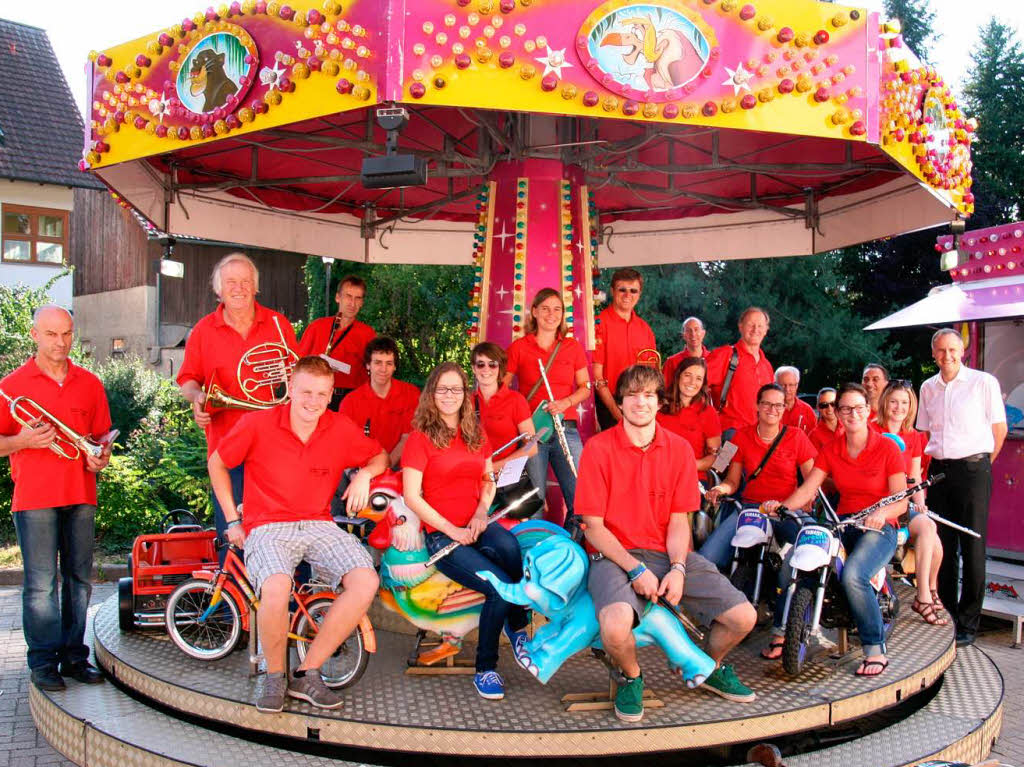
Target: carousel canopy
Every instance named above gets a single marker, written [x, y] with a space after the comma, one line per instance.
[717, 128]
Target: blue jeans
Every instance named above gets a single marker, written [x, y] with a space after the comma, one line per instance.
[237, 475]
[717, 549]
[866, 554]
[55, 631]
[496, 551]
[550, 454]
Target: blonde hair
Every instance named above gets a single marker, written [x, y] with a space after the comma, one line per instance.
[428, 418]
[883, 405]
[232, 258]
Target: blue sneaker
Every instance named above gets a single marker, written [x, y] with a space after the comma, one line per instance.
[489, 684]
[518, 641]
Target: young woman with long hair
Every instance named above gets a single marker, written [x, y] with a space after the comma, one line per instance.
[689, 413]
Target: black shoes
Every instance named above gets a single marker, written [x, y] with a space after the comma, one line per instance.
[47, 678]
[964, 638]
[83, 672]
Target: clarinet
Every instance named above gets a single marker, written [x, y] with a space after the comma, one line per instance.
[890, 499]
[442, 553]
[557, 422]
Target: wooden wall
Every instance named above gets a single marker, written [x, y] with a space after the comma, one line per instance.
[110, 251]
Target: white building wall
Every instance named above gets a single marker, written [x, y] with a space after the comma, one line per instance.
[37, 275]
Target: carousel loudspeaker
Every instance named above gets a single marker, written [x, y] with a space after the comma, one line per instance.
[393, 171]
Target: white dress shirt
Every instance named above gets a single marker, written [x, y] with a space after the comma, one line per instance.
[959, 415]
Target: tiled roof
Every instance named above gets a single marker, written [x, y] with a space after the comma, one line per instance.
[40, 126]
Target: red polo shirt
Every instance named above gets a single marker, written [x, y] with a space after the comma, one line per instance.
[43, 479]
[317, 336]
[741, 405]
[501, 416]
[863, 480]
[777, 479]
[800, 417]
[523, 356]
[286, 480]
[618, 343]
[452, 476]
[213, 350]
[636, 491]
[672, 363]
[914, 442]
[696, 424]
[389, 417]
[821, 435]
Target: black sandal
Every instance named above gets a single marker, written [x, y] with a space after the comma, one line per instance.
[866, 664]
[777, 643]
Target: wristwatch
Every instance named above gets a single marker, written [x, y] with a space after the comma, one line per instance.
[679, 567]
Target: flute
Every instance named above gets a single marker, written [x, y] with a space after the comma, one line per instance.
[442, 553]
[556, 421]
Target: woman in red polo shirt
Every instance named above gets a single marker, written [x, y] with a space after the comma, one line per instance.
[448, 482]
[828, 427]
[688, 411]
[897, 410]
[865, 467]
[545, 342]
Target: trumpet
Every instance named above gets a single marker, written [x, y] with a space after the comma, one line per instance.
[266, 365]
[67, 443]
[649, 357]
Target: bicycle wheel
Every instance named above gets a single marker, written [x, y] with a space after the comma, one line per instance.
[199, 632]
[347, 664]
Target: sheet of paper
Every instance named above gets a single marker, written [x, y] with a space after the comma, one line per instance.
[512, 471]
[724, 458]
[336, 365]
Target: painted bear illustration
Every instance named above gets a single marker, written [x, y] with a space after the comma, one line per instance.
[207, 77]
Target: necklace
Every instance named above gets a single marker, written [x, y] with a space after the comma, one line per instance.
[758, 430]
[644, 447]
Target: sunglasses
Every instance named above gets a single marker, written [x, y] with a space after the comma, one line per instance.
[481, 364]
[826, 405]
[634, 291]
[902, 383]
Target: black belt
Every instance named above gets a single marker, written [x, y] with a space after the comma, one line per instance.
[967, 458]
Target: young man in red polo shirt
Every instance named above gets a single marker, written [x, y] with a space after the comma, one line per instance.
[342, 338]
[384, 406]
[620, 336]
[294, 456]
[54, 504]
[637, 487]
[751, 371]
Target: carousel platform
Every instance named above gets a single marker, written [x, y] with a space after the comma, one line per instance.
[166, 708]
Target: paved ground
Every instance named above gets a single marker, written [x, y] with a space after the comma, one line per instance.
[22, 746]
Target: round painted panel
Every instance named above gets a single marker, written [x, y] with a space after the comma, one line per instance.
[644, 51]
[216, 73]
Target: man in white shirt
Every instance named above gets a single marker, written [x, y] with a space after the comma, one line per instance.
[963, 411]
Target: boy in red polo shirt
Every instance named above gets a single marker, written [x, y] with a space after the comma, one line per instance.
[384, 406]
[620, 336]
[637, 485]
[294, 456]
[54, 504]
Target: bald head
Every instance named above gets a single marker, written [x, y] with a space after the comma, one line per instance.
[49, 313]
[53, 330]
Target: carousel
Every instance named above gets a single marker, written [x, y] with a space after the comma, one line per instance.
[535, 140]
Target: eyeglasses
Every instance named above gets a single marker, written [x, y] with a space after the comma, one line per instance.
[481, 364]
[634, 291]
[848, 409]
[777, 406]
[826, 405]
[444, 390]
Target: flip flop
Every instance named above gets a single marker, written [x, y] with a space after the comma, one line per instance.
[769, 652]
[881, 664]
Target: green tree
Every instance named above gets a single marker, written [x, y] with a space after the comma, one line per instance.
[917, 20]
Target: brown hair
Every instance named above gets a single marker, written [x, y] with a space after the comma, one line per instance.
[315, 366]
[627, 275]
[530, 323]
[491, 351]
[380, 345]
[637, 378]
[428, 418]
[675, 396]
[846, 388]
[354, 281]
[883, 403]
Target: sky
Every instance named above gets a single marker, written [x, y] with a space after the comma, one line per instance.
[75, 27]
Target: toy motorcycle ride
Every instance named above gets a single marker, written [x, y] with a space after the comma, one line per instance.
[815, 596]
[756, 558]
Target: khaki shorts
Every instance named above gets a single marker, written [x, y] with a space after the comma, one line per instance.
[706, 592]
[278, 547]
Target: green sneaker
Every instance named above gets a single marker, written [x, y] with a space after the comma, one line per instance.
[629, 700]
[723, 681]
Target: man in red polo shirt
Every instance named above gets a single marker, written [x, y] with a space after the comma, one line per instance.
[693, 333]
[798, 414]
[735, 395]
[620, 336]
[295, 454]
[637, 487]
[342, 338]
[217, 344]
[384, 406]
[54, 504]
